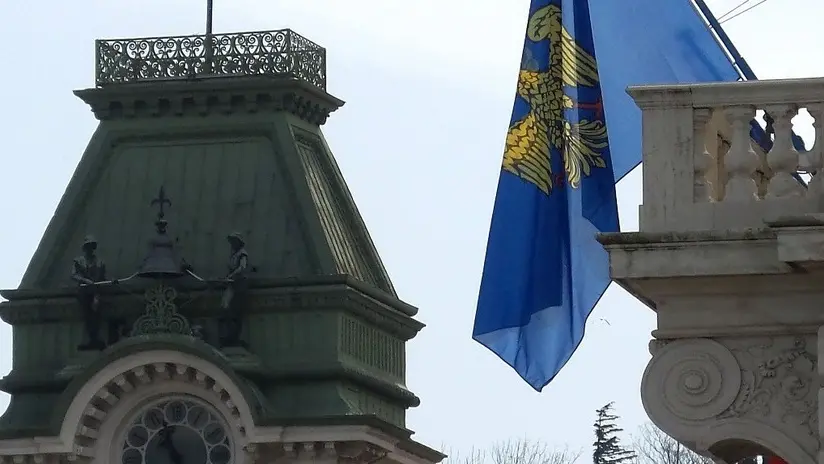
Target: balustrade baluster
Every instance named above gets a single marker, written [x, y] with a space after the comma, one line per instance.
[701, 161]
[815, 155]
[783, 157]
[741, 161]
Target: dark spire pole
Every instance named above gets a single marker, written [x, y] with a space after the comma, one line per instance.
[758, 134]
[208, 44]
[208, 17]
[737, 60]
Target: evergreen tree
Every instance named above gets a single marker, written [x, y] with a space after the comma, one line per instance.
[607, 446]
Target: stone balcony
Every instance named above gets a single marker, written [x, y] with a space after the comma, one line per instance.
[730, 256]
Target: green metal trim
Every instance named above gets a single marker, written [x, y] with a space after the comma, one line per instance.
[339, 371]
[307, 282]
[256, 94]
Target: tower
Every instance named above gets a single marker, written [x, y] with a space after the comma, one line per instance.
[207, 290]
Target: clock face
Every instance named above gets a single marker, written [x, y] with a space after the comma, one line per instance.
[177, 430]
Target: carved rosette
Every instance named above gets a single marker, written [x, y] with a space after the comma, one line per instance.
[760, 389]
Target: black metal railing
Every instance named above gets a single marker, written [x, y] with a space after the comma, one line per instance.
[281, 53]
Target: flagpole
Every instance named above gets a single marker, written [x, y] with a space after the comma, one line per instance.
[725, 42]
[744, 70]
[208, 44]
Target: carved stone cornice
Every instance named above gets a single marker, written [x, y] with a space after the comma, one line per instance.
[694, 388]
[327, 452]
[228, 95]
[34, 459]
[337, 452]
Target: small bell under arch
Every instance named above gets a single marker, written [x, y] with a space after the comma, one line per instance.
[162, 261]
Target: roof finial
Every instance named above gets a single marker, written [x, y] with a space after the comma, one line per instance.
[161, 201]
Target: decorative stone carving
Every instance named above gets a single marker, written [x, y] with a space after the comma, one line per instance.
[778, 383]
[692, 380]
[309, 451]
[30, 459]
[360, 452]
[348, 452]
[252, 452]
[655, 345]
[129, 383]
[692, 387]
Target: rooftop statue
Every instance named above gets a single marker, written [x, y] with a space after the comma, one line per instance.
[234, 294]
[88, 270]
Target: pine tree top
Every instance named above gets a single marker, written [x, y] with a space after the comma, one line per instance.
[607, 448]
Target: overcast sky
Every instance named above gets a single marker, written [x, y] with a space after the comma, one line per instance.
[429, 87]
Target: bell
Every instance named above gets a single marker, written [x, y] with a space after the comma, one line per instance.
[162, 261]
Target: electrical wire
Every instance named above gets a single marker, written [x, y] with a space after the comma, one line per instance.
[730, 18]
[732, 10]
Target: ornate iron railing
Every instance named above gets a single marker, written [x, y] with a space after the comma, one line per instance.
[270, 53]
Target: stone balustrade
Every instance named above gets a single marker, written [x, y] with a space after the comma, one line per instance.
[730, 256]
[707, 168]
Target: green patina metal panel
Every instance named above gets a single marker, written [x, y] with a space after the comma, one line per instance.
[293, 339]
[372, 347]
[44, 346]
[348, 239]
[366, 402]
[217, 185]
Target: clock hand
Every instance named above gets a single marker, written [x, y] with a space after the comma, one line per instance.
[167, 443]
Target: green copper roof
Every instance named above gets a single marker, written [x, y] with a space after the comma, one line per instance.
[240, 154]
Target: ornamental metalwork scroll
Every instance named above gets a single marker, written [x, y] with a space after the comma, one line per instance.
[281, 53]
[161, 314]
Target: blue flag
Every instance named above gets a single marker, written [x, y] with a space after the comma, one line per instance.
[544, 270]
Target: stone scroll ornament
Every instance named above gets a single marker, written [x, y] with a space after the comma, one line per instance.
[690, 381]
[693, 383]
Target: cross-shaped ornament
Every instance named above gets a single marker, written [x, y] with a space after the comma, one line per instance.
[161, 201]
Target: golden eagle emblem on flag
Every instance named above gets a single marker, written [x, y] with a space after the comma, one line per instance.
[530, 140]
